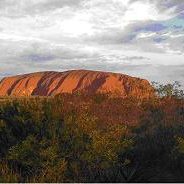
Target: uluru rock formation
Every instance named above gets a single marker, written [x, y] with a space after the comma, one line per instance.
[53, 83]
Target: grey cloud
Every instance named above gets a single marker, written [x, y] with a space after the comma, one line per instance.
[42, 54]
[116, 35]
[2, 75]
[126, 35]
[136, 58]
[129, 37]
[126, 38]
[176, 44]
[171, 73]
[16, 9]
[164, 5]
[50, 5]
[39, 57]
[68, 56]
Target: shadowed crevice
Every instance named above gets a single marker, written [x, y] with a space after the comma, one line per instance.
[64, 76]
[80, 82]
[96, 84]
[10, 90]
[42, 89]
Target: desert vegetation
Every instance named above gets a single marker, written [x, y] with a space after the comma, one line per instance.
[93, 138]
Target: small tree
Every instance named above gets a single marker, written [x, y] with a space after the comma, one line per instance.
[169, 90]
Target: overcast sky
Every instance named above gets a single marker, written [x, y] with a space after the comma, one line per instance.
[143, 38]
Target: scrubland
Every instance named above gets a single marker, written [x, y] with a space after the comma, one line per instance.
[92, 138]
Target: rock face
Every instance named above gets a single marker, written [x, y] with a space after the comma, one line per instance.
[53, 83]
